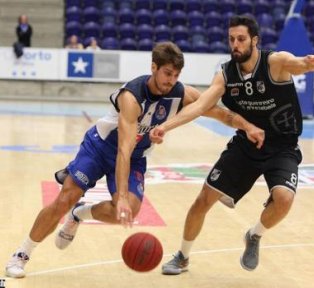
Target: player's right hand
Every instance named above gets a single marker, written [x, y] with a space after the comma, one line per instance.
[156, 134]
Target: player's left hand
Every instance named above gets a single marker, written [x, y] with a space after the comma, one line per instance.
[256, 135]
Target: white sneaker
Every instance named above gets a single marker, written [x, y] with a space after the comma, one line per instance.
[67, 233]
[15, 266]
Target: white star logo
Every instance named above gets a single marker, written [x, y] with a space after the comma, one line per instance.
[80, 65]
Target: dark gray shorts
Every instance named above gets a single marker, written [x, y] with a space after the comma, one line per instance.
[235, 172]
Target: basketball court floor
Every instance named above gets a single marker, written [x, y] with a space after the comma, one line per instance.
[39, 138]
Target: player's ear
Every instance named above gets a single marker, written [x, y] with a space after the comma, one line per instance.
[154, 67]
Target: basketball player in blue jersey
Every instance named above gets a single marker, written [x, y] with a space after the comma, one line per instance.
[117, 147]
[257, 85]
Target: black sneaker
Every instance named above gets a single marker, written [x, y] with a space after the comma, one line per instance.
[176, 266]
[249, 259]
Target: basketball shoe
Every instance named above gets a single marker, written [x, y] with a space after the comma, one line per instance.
[15, 266]
[67, 233]
[177, 265]
[250, 257]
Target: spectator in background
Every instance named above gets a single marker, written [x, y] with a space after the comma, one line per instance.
[73, 43]
[24, 31]
[93, 45]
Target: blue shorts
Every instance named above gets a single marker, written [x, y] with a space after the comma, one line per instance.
[97, 158]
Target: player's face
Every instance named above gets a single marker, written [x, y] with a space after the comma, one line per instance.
[165, 78]
[241, 43]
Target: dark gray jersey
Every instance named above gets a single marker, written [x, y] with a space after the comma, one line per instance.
[272, 106]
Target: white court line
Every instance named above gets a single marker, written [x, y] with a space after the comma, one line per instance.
[109, 262]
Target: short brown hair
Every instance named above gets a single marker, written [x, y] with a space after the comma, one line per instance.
[249, 22]
[168, 53]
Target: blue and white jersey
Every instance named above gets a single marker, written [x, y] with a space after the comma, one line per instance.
[156, 109]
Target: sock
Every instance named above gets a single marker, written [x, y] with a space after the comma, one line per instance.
[186, 247]
[28, 246]
[84, 212]
[258, 229]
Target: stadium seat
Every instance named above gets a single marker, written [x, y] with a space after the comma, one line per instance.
[194, 5]
[109, 30]
[125, 4]
[198, 34]
[180, 32]
[244, 6]
[109, 3]
[110, 43]
[128, 44]
[280, 22]
[176, 5]
[143, 16]
[195, 18]
[73, 13]
[218, 47]
[184, 45]
[73, 28]
[215, 34]
[212, 19]
[90, 3]
[160, 4]
[145, 31]
[270, 46]
[71, 3]
[210, 6]
[309, 8]
[109, 14]
[161, 17]
[145, 44]
[91, 29]
[142, 4]
[126, 15]
[261, 7]
[227, 6]
[91, 14]
[87, 41]
[127, 30]
[264, 20]
[162, 33]
[268, 35]
[225, 18]
[200, 47]
[178, 17]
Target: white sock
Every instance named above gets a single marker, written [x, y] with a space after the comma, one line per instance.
[83, 212]
[186, 247]
[28, 246]
[259, 229]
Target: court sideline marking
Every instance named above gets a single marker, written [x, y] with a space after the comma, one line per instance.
[110, 262]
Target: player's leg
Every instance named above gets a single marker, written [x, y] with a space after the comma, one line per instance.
[192, 227]
[45, 223]
[104, 211]
[230, 179]
[282, 177]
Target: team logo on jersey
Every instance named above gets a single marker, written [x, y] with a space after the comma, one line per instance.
[214, 175]
[161, 112]
[260, 86]
[235, 92]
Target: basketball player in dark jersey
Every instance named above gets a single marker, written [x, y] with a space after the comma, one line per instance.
[257, 85]
[116, 147]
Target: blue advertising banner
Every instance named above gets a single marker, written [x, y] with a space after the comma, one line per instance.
[294, 39]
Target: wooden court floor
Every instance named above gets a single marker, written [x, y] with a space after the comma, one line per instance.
[34, 145]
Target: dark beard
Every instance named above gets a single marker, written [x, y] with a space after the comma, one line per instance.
[244, 57]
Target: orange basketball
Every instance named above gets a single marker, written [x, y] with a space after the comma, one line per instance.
[142, 252]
